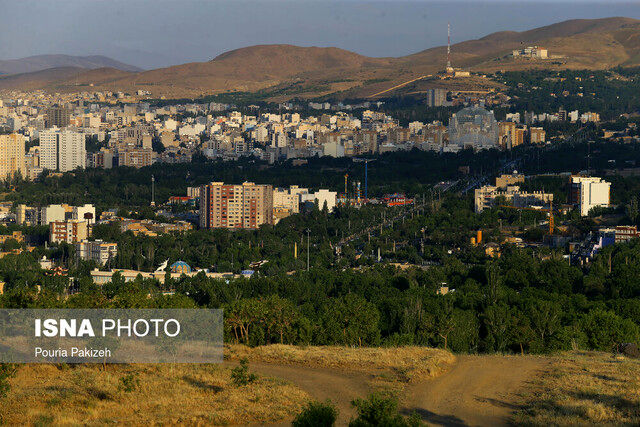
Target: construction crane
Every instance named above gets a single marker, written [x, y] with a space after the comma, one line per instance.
[548, 211]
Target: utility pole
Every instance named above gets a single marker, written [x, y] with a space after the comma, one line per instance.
[153, 190]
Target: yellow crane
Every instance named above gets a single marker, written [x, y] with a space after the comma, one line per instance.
[548, 211]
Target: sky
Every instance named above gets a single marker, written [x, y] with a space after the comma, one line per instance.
[157, 33]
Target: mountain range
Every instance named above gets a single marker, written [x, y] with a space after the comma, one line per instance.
[43, 62]
[285, 71]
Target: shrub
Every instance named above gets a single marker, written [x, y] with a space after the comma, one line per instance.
[317, 414]
[129, 383]
[240, 375]
[381, 410]
[7, 370]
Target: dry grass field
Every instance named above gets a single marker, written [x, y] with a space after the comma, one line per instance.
[408, 364]
[162, 394]
[584, 389]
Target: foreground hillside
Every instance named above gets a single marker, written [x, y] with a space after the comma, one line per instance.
[584, 389]
[286, 71]
[143, 395]
[208, 394]
[575, 388]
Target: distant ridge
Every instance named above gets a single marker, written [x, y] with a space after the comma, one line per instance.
[64, 77]
[43, 62]
[287, 71]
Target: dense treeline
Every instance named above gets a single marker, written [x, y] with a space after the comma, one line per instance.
[524, 301]
[529, 300]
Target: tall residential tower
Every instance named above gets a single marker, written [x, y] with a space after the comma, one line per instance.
[62, 150]
[235, 206]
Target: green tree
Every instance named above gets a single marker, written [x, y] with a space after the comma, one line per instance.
[498, 322]
[317, 414]
[604, 329]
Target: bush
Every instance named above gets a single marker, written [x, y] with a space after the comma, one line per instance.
[7, 370]
[381, 410]
[129, 383]
[317, 414]
[240, 375]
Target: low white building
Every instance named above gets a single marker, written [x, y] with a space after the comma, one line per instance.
[97, 251]
[320, 197]
[288, 198]
[86, 212]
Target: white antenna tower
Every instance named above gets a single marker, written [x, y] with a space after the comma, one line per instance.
[448, 45]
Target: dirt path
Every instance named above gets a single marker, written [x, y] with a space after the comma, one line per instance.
[477, 391]
[338, 386]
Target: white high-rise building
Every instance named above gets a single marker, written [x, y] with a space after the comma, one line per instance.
[62, 150]
[589, 192]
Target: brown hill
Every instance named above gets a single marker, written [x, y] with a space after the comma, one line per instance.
[289, 71]
[249, 68]
[562, 38]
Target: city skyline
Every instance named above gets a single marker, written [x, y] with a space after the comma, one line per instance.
[375, 28]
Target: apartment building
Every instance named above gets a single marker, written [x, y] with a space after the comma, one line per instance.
[588, 192]
[135, 157]
[46, 214]
[70, 231]
[437, 97]
[506, 134]
[537, 135]
[235, 206]
[103, 159]
[486, 196]
[51, 213]
[58, 117]
[288, 199]
[12, 156]
[62, 150]
[98, 251]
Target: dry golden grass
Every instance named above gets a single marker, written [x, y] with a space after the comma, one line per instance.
[585, 389]
[167, 394]
[406, 363]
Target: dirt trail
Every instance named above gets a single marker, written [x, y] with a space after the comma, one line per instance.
[477, 391]
[322, 384]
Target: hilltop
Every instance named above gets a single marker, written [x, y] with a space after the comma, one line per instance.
[285, 71]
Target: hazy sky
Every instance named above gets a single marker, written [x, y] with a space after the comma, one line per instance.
[153, 33]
